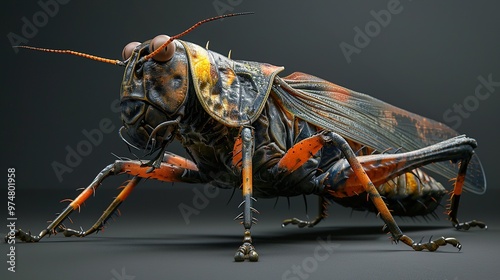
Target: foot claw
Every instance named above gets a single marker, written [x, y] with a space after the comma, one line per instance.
[253, 256]
[300, 223]
[67, 232]
[468, 225]
[23, 236]
[432, 245]
[239, 256]
[246, 251]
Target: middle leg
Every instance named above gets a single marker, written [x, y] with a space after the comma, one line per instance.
[322, 214]
[245, 146]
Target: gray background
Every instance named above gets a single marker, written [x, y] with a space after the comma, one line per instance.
[427, 59]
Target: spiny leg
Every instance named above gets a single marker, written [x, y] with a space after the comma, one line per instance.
[99, 224]
[322, 214]
[383, 167]
[246, 250]
[294, 158]
[379, 203]
[166, 172]
[177, 160]
[300, 153]
[75, 204]
[168, 158]
[455, 201]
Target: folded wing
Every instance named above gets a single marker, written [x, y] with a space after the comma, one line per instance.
[370, 122]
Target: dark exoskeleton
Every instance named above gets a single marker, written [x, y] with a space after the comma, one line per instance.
[247, 128]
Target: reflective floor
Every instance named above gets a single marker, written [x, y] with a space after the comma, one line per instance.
[153, 239]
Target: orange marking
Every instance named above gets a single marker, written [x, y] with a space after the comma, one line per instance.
[81, 198]
[301, 152]
[247, 182]
[237, 152]
[167, 172]
[335, 91]
[230, 78]
[457, 190]
[247, 178]
[378, 170]
[268, 69]
[339, 93]
[127, 189]
[180, 161]
[411, 184]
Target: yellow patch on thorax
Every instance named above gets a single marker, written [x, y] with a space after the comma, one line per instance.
[202, 69]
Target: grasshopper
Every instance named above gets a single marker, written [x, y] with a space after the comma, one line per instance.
[249, 129]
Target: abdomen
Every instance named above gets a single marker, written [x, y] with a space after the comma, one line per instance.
[410, 194]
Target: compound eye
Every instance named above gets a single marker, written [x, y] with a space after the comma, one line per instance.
[166, 53]
[128, 49]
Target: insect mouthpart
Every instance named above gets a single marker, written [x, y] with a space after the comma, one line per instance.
[147, 127]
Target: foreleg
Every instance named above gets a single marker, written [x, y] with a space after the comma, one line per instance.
[167, 172]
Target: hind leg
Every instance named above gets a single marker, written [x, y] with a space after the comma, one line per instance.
[348, 177]
[396, 165]
[455, 201]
